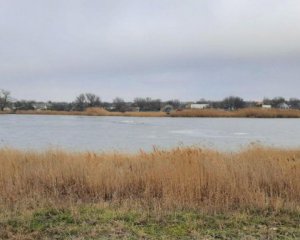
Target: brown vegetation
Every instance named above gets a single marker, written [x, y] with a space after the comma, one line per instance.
[103, 112]
[241, 113]
[182, 178]
[94, 111]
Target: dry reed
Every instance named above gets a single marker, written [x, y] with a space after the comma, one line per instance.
[94, 111]
[241, 113]
[182, 178]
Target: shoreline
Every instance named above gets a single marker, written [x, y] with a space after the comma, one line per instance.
[188, 113]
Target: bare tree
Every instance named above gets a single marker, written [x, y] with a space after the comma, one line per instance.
[5, 99]
[148, 104]
[232, 103]
[93, 100]
[119, 104]
[86, 100]
[277, 101]
[80, 102]
[294, 103]
[175, 103]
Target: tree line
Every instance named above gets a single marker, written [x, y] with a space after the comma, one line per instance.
[87, 100]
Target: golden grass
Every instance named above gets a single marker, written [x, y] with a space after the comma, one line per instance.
[241, 113]
[48, 112]
[95, 111]
[182, 178]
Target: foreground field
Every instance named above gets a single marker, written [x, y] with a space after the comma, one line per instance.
[169, 194]
[99, 222]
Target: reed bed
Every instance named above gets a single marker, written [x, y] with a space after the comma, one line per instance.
[182, 178]
[102, 112]
[241, 113]
[94, 112]
[215, 113]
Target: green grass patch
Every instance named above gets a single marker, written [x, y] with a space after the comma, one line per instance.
[92, 222]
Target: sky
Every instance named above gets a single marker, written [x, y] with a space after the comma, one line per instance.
[167, 49]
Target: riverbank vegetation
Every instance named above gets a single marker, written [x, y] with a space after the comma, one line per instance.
[240, 113]
[188, 192]
[213, 113]
[52, 188]
[94, 111]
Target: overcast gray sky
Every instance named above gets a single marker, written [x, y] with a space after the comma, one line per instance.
[186, 49]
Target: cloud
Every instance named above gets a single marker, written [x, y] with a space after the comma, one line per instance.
[55, 49]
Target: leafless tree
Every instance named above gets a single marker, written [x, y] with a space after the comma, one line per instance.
[119, 104]
[148, 104]
[93, 100]
[86, 100]
[232, 103]
[5, 99]
[80, 102]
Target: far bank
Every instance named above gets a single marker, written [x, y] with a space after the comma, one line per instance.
[210, 113]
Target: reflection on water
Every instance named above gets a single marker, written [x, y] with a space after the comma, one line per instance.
[132, 134]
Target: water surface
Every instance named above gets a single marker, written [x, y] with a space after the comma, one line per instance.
[131, 134]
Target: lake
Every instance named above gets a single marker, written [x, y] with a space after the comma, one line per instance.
[131, 134]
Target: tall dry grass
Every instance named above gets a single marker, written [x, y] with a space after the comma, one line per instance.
[241, 113]
[93, 111]
[182, 178]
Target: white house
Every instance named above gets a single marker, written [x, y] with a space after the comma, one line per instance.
[266, 106]
[40, 106]
[199, 105]
[7, 109]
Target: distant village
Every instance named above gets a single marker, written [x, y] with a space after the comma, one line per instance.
[88, 100]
